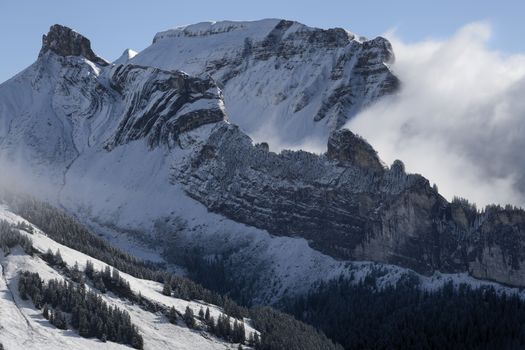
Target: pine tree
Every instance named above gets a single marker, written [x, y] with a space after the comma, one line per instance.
[172, 315]
[189, 318]
[207, 315]
[76, 275]
[45, 313]
[211, 325]
[22, 290]
[227, 327]
[166, 290]
[256, 340]
[57, 258]
[201, 313]
[83, 325]
[59, 320]
[136, 341]
[106, 276]
[239, 335]
[89, 270]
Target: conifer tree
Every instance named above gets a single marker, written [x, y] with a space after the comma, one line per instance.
[189, 318]
[166, 290]
[207, 315]
[89, 270]
[57, 258]
[45, 313]
[172, 315]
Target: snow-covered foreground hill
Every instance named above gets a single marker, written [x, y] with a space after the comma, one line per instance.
[23, 326]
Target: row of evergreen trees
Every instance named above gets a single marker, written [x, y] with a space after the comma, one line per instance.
[223, 327]
[10, 237]
[109, 279]
[64, 229]
[68, 304]
[106, 280]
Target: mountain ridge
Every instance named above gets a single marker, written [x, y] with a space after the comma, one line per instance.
[315, 79]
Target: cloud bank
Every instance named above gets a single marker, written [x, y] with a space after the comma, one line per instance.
[459, 118]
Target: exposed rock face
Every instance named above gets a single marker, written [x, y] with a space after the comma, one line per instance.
[161, 105]
[347, 205]
[66, 42]
[345, 147]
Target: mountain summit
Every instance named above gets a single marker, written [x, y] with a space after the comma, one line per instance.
[64, 41]
[301, 82]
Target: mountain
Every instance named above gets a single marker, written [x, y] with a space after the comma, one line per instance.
[159, 160]
[71, 120]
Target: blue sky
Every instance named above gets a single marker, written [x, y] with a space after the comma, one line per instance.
[114, 25]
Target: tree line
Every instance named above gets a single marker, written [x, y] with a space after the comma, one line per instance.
[66, 304]
[10, 237]
[404, 316]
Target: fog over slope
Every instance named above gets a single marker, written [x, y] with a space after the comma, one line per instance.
[459, 118]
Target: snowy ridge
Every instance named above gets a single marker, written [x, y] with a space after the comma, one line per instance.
[101, 131]
[125, 57]
[256, 29]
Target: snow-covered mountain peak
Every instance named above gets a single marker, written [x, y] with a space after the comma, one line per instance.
[255, 29]
[125, 57]
[284, 83]
[65, 41]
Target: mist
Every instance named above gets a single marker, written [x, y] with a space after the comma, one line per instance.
[459, 118]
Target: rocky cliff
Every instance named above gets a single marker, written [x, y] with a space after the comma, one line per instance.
[350, 206]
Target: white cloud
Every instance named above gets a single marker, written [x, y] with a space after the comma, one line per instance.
[459, 118]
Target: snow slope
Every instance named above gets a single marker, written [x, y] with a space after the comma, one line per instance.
[28, 329]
